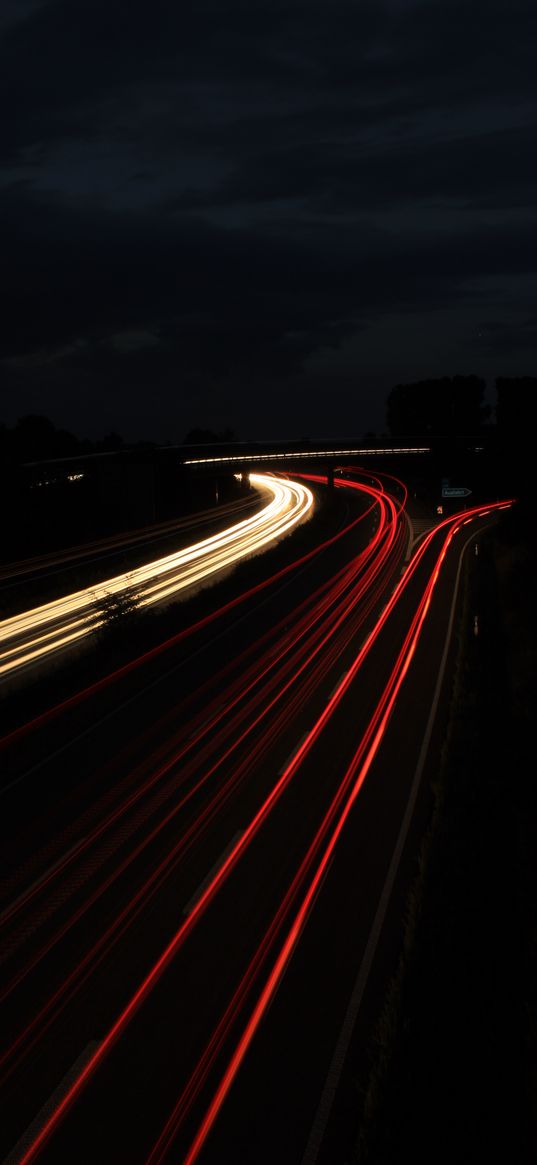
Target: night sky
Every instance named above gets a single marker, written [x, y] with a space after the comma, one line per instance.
[262, 215]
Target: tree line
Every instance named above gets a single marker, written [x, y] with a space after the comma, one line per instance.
[455, 406]
[36, 438]
[445, 406]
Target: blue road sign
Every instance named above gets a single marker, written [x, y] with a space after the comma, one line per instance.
[455, 492]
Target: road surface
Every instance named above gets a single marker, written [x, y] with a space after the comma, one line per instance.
[185, 925]
[32, 635]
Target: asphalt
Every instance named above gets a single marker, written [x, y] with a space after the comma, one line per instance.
[273, 1102]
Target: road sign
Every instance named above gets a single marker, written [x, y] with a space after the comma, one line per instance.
[455, 492]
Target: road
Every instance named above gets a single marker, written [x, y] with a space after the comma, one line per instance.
[185, 925]
[31, 635]
[71, 558]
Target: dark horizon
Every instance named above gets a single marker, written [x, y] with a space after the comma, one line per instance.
[459, 406]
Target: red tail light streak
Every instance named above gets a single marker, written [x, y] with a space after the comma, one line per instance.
[301, 652]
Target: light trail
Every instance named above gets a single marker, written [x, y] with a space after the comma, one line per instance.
[63, 560]
[319, 636]
[306, 619]
[330, 654]
[242, 457]
[44, 718]
[335, 820]
[326, 650]
[30, 636]
[225, 869]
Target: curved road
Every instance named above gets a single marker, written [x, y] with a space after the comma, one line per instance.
[32, 635]
[184, 940]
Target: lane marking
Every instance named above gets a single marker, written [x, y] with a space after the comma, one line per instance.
[336, 686]
[47, 1109]
[292, 754]
[8, 910]
[192, 902]
[335, 1070]
[411, 538]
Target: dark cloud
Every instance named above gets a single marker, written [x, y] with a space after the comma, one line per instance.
[68, 69]
[471, 170]
[74, 272]
[505, 336]
[206, 196]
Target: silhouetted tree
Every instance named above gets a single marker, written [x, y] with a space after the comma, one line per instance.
[35, 438]
[449, 406]
[516, 406]
[516, 418]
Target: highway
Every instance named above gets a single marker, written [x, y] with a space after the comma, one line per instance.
[30, 636]
[192, 899]
[71, 558]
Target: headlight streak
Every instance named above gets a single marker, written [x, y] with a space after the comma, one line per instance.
[366, 555]
[51, 626]
[231, 861]
[47, 564]
[114, 677]
[226, 867]
[328, 646]
[60, 868]
[240, 688]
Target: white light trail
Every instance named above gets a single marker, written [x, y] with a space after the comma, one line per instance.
[305, 456]
[27, 637]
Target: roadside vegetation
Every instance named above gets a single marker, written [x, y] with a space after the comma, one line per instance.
[454, 1066]
[25, 593]
[118, 613]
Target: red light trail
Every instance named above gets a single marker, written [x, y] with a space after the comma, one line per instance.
[205, 768]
